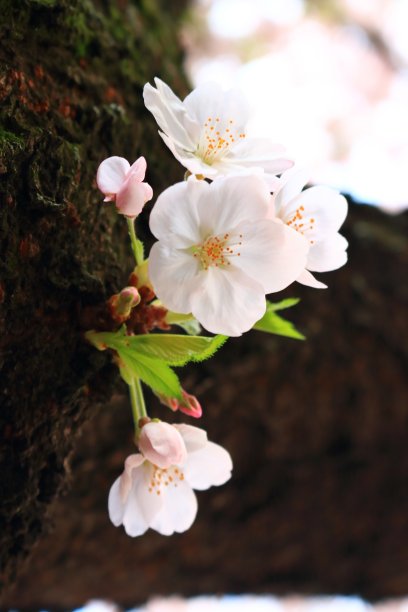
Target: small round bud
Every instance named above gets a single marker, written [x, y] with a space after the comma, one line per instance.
[121, 304]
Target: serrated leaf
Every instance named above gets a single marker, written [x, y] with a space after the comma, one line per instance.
[154, 372]
[173, 349]
[272, 323]
[282, 305]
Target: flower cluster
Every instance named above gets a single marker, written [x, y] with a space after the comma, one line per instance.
[239, 227]
[223, 246]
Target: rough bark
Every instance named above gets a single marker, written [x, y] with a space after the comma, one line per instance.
[70, 89]
[319, 499]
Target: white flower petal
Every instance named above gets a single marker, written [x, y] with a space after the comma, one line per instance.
[326, 206]
[169, 112]
[227, 301]
[178, 510]
[329, 254]
[115, 505]
[209, 466]
[148, 500]
[292, 183]
[260, 152]
[231, 201]
[174, 218]
[272, 254]
[134, 521]
[210, 100]
[126, 480]
[189, 160]
[111, 174]
[274, 183]
[190, 124]
[173, 274]
[142, 504]
[194, 437]
[306, 278]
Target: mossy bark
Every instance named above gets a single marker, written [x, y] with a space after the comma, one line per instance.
[71, 83]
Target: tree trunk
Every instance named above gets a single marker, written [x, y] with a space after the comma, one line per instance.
[71, 83]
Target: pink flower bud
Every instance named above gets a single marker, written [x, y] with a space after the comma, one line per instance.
[161, 444]
[189, 404]
[122, 183]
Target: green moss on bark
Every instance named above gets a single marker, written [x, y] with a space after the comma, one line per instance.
[70, 91]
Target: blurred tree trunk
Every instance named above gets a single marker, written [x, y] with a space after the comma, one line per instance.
[71, 81]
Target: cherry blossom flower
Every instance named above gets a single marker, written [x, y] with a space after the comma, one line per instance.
[317, 214]
[207, 132]
[123, 184]
[148, 496]
[218, 254]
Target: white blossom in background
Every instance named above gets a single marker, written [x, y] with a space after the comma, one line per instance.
[123, 184]
[207, 132]
[317, 214]
[329, 91]
[218, 254]
[148, 496]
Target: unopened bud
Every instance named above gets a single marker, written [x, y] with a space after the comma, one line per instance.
[188, 405]
[121, 304]
[191, 406]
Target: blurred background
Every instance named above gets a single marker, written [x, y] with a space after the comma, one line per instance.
[328, 78]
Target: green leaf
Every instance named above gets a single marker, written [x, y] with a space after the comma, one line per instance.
[283, 304]
[272, 323]
[104, 340]
[173, 349]
[154, 372]
[190, 326]
[149, 356]
[186, 321]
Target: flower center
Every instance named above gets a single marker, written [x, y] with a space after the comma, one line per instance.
[216, 251]
[164, 478]
[302, 224]
[216, 138]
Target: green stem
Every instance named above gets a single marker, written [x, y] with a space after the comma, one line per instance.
[137, 245]
[137, 402]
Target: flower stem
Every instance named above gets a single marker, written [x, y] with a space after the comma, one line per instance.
[137, 245]
[137, 402]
